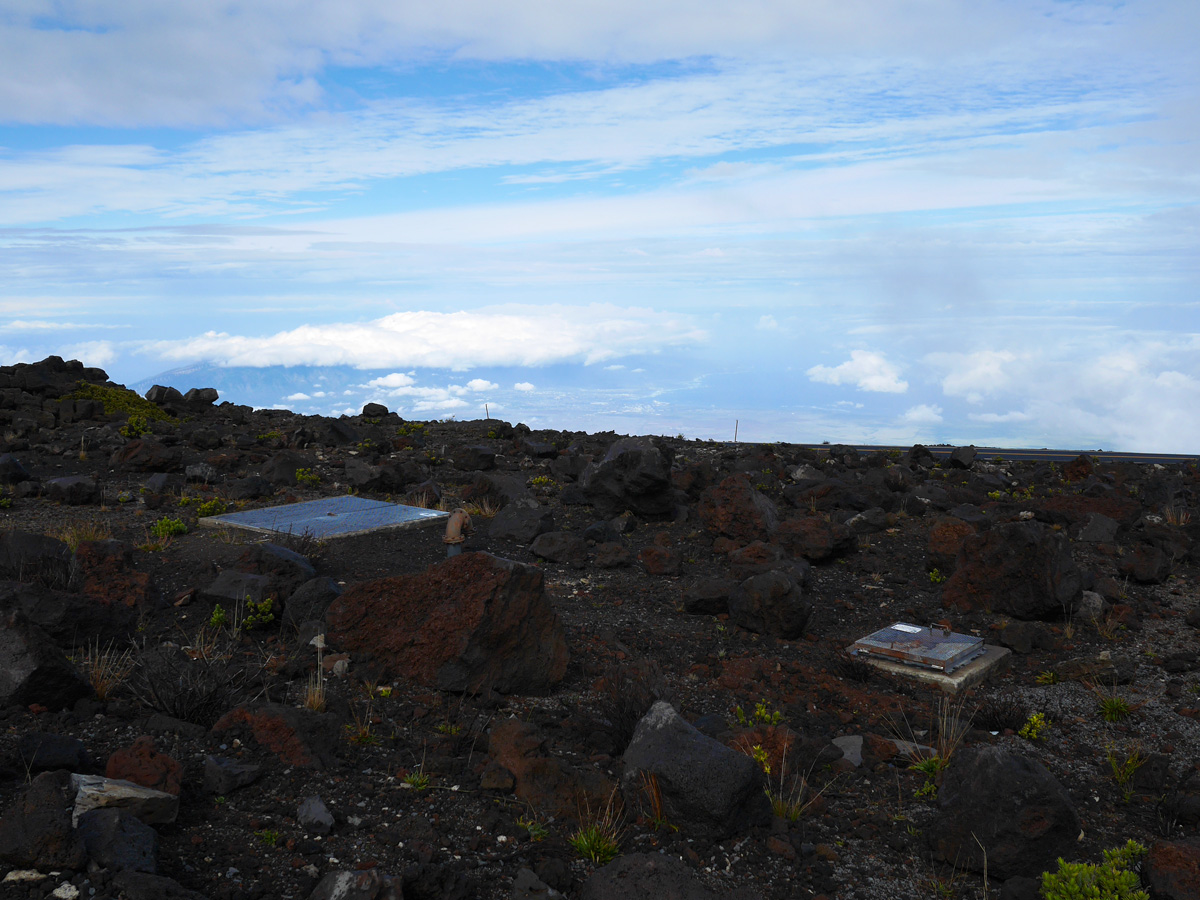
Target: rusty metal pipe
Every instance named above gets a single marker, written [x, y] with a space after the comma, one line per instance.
[457, 526]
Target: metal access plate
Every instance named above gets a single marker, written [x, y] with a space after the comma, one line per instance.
[933, 648]
[330, 518]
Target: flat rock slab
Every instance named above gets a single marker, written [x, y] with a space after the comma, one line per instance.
[992, 660]
[330, 518]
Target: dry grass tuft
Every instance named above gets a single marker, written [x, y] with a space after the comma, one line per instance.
[105, 668]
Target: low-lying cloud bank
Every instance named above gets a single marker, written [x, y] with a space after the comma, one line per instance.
[513, 336]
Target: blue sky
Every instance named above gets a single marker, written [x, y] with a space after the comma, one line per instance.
[868, 221]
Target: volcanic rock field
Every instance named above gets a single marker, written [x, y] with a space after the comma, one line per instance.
[628, 680]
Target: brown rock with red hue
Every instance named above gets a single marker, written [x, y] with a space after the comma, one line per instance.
[472, 623]
[297, 736]
[1172, 869]
[1079, 468]
[1021, 569]
[814, 538]
[544, 782]
[107, 574]
[754, 559]
[658, 560]
[736, 510]
[142, 764]
[36, 831]
[946, 536]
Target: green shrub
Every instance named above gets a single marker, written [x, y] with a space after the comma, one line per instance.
[1035, 729]
[212, 507]
[219, 618]
[134, 427]
[166, 527]
[5, 502]
[307, 477]
[258, 614]
[117, 400]
[936, 577]
[1110, 880]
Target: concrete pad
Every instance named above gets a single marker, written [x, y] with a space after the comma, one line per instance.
[992, 661]
[331, 518]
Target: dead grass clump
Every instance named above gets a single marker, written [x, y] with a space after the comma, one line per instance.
[106, 669]
[999, 713]
[76, 533]
[628, 693]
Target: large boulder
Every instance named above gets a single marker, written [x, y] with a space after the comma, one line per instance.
[34, 559]
[545, 782]
[472, 623]
[705, 786]
[33, 669]
[815, 538]
[736, 510]
[519, 523]
[1021, 569]
[36, 829]
[1017, 810]
[68, 618]
[634, 474]
[118, 840]
[771, 603]
[148, 455]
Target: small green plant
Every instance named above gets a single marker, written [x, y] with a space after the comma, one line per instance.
[1110, 880]
[449, 728]
[1113, 708]
[1047, 677]
[762, 714]
[270, 436]
[365, 445]
[134, 427]
[258, 614]
[927, 791]
[167, 527]
[307, 478]
[1035, 728]
[267, 836]
[930, 767]
[220, 801]
[598, 836]
[543, 481]
[537, 830]
[5, 502]
[936, 577]
[417, 780]
[760, 756]
[214, 507]
[1124, 767]
[219, 618]
[995, 495]
[408, 429]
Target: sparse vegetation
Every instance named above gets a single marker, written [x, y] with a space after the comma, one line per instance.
[307, 478]
[76, 533]
[598, 837]
[118, 401]
[1035, 727]
[107, 668]
[168, 528]
[1113, 879]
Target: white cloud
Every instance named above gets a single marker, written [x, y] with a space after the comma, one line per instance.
[923, 414]
[394, 380]
[767, 323]
[91, 353]
[427, 405]
[298, 396]
[10, 356]
[523, 386]
[45, 325]
[974, 376]
[520, 336]
[867, 370]
[481, 384]
[995, 418]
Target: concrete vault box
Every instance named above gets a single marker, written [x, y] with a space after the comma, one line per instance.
[330, 518]
[933, 655]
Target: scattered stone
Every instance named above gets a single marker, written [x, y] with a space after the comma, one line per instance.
[1172, 870]
[33, 669]
[635, 474]
[705, 785]
[564, 547]
[299, 737]
[735, 509]
[368, 885]
[135, 885]
[772, 603]
[97, 792]
[117, 840]
[40, 751]
[314, 816]
[520, 523]
[142, 764]
[72, 490]
[223, 776]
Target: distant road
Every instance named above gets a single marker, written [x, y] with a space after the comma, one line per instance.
[988, 453]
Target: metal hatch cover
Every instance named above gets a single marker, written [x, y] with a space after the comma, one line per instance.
[932, 648]
[330, 518]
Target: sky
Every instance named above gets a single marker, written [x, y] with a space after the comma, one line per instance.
[876, 221]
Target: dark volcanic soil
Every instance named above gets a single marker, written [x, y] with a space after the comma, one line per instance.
[630, 637]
